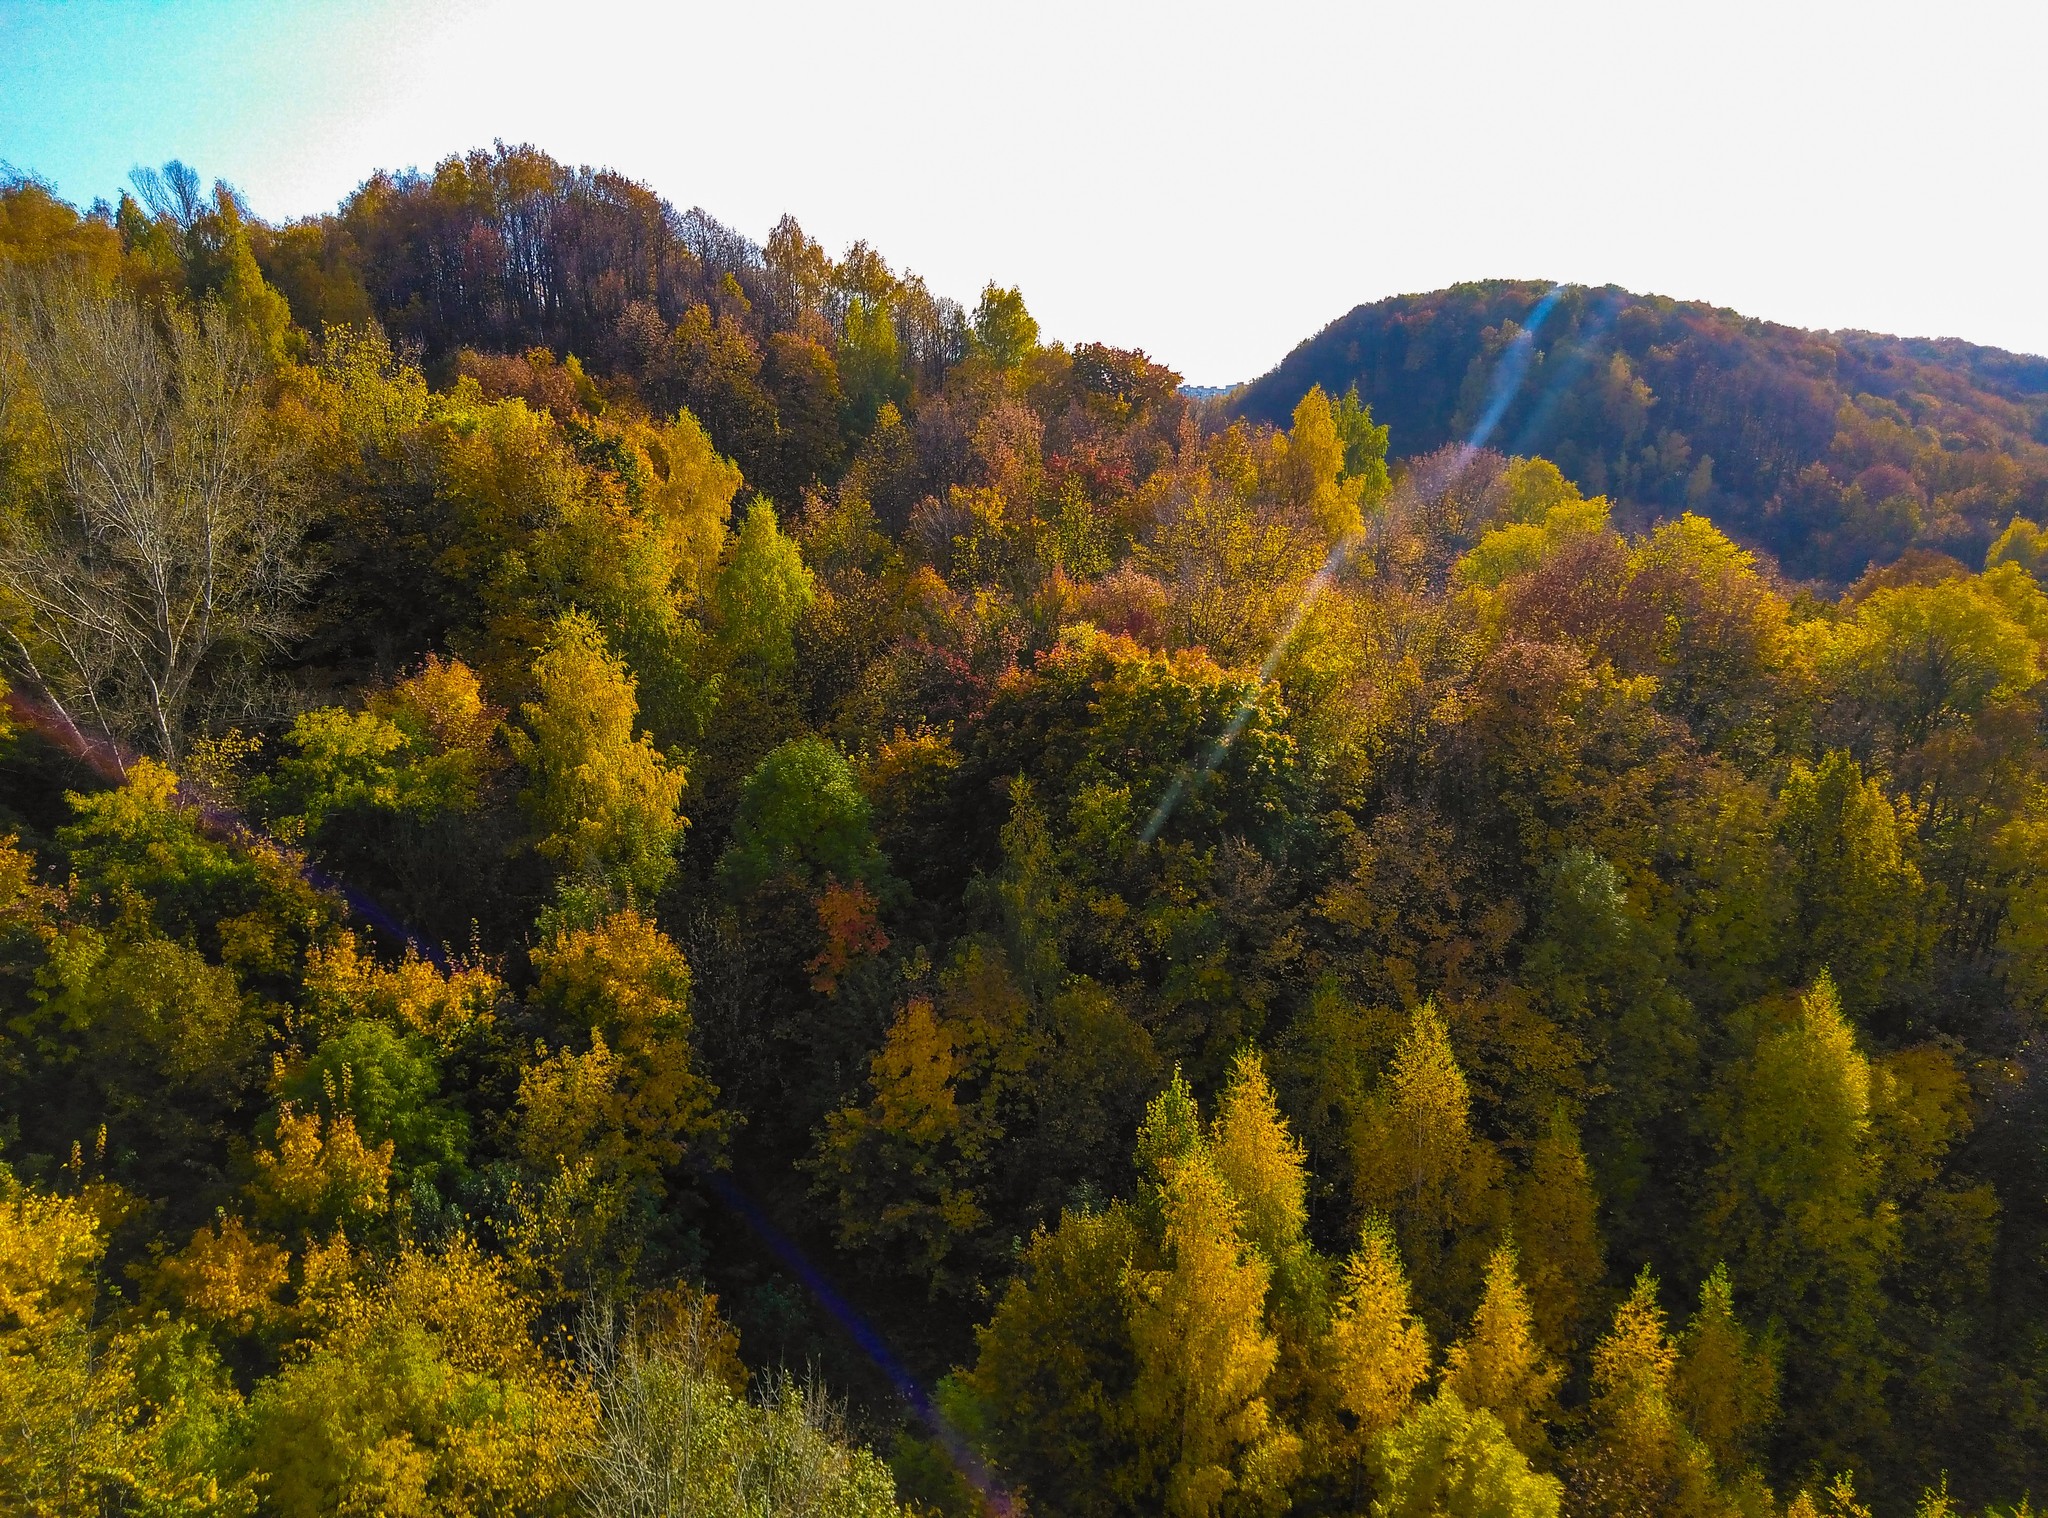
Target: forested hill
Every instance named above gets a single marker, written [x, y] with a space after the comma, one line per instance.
[1831, 450]
[597, 817]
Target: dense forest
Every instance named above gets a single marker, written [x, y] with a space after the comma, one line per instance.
[1829, 451]
[651, 874]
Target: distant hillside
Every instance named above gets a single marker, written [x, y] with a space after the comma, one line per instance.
[1829, 449]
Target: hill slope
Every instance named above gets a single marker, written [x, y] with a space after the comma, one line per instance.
[1829, 449]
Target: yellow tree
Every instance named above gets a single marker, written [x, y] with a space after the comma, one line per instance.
[1640, 1460]
[1378, 1350]
[1447, 1460]
[604, 801]
[1419, 1162]
[1499, 1365]
[634, 1101]
[1203, 1428]
[1314, 469]
[1726, 1384]
[99, 1421]
[910, 1166]
[422, 1393]
[1266, 1170]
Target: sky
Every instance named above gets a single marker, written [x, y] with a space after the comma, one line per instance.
[1212, 183]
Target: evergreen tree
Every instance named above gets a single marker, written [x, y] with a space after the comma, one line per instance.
[1557, 1225]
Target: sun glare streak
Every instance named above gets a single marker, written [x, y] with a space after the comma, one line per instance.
[1507, 382]
[867, 1336]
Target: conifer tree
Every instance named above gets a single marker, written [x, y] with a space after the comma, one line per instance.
[1794, 1202]
[1557, 1226]
[1726, 1384]
[1378, 1349]
[1640, 1460]
[1422, 1164]
[1500, 1365]
[1265, 1168]
[1204, 1429]
[1171, 1132]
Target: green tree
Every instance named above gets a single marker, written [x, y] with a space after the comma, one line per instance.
[1458, 1462]
[1861, 903]
[1794, 1200]
[762, 591]
[1054, 1366]
[1556, 1220]
[1004, 331]
[802, 813]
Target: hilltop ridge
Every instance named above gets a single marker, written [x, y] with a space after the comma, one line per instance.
[1831, 450]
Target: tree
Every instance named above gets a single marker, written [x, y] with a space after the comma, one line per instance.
[100, 1418]
[1420, 1162]
[150, 554]
[389, 1082]
[1641, 1461]
[1458, 1462]
[1365, 446]
[622, 1094]
[1003, 331]
[1499, 1365]
[802, 813]
[1794, 1201]
[603, 800]
[1204, 1429]
[1861, 902]
[1265, 1168]
[1556, 1216]
[1725, 1383]
[676, 1432]
[423, 1393]
[1378, 1349]
[1315, 468]
[1922, 657]
[762, 591]
[1054, 1366]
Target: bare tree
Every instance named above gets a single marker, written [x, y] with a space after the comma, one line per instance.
[148, 530]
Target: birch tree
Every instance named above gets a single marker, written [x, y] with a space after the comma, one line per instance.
[148, 532]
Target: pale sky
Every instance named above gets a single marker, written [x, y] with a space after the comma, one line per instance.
[1210, 183]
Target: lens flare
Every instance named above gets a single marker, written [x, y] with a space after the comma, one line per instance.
[113, 763]
[1585, 347]
[1507, 382]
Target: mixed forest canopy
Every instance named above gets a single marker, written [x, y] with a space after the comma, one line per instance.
[1830, 451]
[642, 872]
